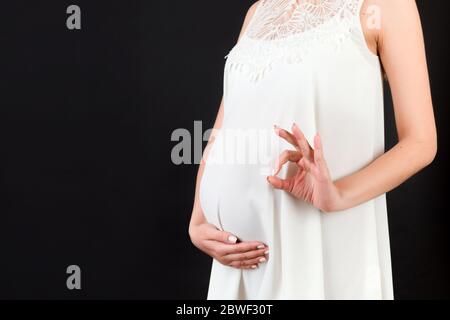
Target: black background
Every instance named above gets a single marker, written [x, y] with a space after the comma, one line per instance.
[85, 142]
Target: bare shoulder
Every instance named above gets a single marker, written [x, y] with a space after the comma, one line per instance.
[252, 8]
[379, 17]
[400, 19]
[392, 10]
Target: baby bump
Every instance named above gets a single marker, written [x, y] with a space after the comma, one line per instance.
[236, 198]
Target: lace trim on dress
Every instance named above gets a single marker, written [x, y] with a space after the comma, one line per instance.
[286, 30]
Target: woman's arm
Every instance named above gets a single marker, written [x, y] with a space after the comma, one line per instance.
[402, 52]
[400, 45]
[222, 245]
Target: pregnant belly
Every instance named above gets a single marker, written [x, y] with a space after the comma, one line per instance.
[237, 199]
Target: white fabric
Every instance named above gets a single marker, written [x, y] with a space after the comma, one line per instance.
[305, 62]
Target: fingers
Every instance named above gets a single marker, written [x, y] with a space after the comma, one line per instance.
[319, 158]
[313, 159]
[308, 166]
[286, 135]
[301, 141]
[243, 255]
[221, 236]
[220, 249]
[247, 259]
[286, 156]
[296, 138]
[249, 255]
[244, 247]
[280, 184]
[225, 248]
[248, 264]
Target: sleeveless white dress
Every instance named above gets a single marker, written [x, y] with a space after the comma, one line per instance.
[307, 62]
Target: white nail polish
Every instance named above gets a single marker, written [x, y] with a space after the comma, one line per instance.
[232, 239]
[261, 246]
[254, 267]
[262, 260]
[266, 252]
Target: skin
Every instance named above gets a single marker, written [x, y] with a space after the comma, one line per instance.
[399, 44]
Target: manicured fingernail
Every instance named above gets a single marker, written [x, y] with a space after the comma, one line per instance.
[232, 239]
[261, 246]
[277, 129]
[266, 252]
[262, 260]
[254, 267]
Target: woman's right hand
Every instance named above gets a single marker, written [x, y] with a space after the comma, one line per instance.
[225, 248]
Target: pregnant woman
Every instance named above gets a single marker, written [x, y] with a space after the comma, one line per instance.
[306, 217]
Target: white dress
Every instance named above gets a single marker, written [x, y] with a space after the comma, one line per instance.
[306, 62]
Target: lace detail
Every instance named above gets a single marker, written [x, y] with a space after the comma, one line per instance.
[286, 30]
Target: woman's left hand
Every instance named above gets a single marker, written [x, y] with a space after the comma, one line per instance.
[312, 182]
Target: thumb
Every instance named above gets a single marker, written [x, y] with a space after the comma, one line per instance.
[222, 236]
